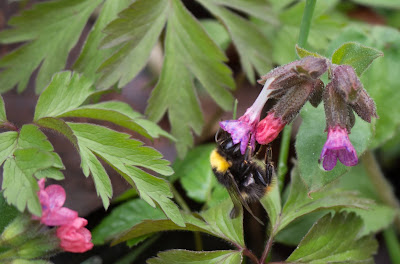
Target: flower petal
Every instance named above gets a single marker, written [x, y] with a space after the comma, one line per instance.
[329, 160]
[59, 216]
[57, 195]
[240, 132]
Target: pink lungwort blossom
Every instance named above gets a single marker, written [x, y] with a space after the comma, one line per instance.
[338, 146]
[244, 129]
[74, 237]
[52, 198]
[269, 128]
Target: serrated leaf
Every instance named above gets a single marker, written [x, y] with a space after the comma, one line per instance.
[217, 32]
[91, 56]
[253, 47]
[124, 155]
[52, 29]
[195, 173]
[66, 91]
[8, 142]
[310, 141]
[180, 256]
[3, 116]
[59, 126]
[299, 202]
[272, 204]
[335, 239]
[356, 55]
[50, 173]
[191, 52]
[122, 218]
[135, 32]
[301, 52]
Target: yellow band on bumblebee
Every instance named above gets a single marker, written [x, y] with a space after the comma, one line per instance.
[219, 163]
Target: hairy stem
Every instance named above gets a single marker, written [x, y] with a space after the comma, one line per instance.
[382, 186]
[392, 244]
[285, 143]
[197, 236]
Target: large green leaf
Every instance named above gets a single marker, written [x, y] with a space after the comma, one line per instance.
[272, 204]
[179, 256]
[300, 203]
[190, 52]
[335, 240]
[253, 47]
[195, 173]
[356, 55]
[123, 218]
[310, 141]
[52, 29]
[125, 155]
[134, 33]
[91, 56]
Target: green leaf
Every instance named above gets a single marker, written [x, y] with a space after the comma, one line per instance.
[52, 29]
[272, 204]
[66, 91]
[190, 52]
[8, 142]
[310, 141]
[217, 32]
[91, 56]
[180, 256]
[381, 3]
[59, 126]
[244, 34]
[3, 116]
[301, 52]
[356, 55]
[8, 213]
[122, 218]
[134, 34]
[124, 154]
[299, 202]
[335, 240]
[195, 173]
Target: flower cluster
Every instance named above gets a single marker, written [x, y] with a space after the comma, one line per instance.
[291, 86]
[71, 232]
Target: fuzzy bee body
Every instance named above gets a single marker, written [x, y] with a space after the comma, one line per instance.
[246, 178]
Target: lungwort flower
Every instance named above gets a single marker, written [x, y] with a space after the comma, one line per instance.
[52, 198]
[74, 237]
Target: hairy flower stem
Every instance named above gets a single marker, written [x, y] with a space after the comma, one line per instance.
[178, 198]
[285, 142]
[382, 186]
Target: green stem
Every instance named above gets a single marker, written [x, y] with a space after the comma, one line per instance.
[132, 256]
[392, 244]
[382, 186]
[285, 142]
[197, 236]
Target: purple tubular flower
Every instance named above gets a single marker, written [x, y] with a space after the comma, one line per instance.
[244, 129]
[338, 146]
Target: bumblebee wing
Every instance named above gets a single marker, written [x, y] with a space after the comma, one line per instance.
[237, 199]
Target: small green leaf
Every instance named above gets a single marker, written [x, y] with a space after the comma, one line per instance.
[301, 52]
[244, 34]
[180, 256]
[299, 203]
[134, 33]
[59, 126]
[66, 91]
[335, 240]
[195, 172]
[50, 173]
[8, 142]
[310, 141]
[356, 55]
[272, 204]
[52, 29]
[122, 218]
[91, 56]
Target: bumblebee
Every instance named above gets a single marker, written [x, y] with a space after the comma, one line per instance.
[245, 177]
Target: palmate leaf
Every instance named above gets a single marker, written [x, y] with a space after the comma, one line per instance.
[253, 47]
[180, 256]
[190, 52]
[52, 29]
[335, 240]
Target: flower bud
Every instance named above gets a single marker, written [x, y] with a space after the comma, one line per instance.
[346, 82]
[19, 230]
[364, 106]
[269, 128]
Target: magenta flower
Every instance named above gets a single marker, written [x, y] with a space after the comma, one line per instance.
[74, 237]
[52, 198]
[243, 130]
[338, 146]
[269, 128]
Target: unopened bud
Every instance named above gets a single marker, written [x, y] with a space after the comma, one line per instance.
[364, 106]
[346, 82]
[269, 128]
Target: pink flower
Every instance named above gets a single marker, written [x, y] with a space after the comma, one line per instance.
[338, 146]
[52, 198]
[269, 128]
[244, 129]
[74, 237]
